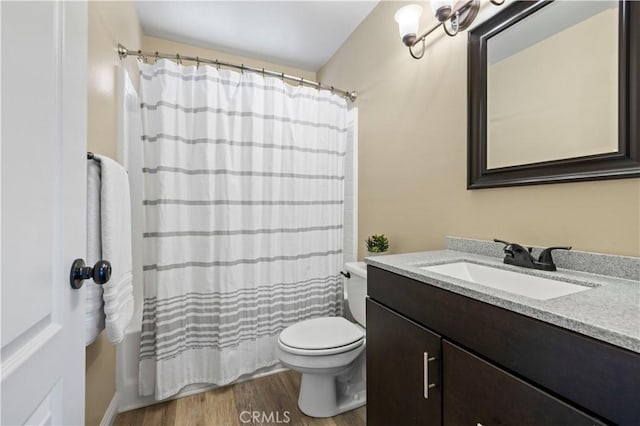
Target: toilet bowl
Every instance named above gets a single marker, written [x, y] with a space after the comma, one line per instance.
[330, 354]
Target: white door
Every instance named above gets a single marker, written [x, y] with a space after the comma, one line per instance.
[43, 197]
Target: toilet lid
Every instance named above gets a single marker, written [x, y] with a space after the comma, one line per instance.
[321, 333]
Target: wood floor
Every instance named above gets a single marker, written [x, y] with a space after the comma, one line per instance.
[272, 395]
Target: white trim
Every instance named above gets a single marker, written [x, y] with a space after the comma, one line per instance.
[130, 157]
[125, 94]
[194, 389]
[112, 411]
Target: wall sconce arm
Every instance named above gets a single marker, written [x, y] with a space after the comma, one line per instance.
[460, 17]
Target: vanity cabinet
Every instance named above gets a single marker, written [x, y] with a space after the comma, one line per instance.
[479, 393]
[494, 366]
[406, 359]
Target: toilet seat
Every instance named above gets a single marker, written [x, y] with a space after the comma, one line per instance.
[320, 352]
[321, 336]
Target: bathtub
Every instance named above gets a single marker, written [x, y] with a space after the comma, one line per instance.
[127, 353]
[127, 367]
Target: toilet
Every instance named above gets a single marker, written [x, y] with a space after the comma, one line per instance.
[330, 353]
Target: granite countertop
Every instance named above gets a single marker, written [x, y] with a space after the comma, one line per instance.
[609, 311]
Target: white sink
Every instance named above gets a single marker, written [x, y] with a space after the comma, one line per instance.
[509, 281]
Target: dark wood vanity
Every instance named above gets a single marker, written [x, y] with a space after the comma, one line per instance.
[436, 357]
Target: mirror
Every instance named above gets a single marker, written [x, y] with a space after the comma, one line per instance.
[570, 94]
[551, 89]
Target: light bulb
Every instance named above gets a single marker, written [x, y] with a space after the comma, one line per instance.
[441, 9]
[408, 19]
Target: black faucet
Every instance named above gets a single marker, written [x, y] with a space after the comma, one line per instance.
[515, 254]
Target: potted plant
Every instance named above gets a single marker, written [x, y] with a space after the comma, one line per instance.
[377, 244]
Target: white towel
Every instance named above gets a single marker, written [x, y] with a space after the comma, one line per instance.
[94, 306]
[115, 216]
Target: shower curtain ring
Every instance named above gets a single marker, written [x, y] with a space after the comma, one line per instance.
[157, 57]
[217, 65]
[140, 56]
[282, 77]
[241, 68]
[262, 72]
[178, 60]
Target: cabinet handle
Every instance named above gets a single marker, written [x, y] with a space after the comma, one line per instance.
[427, 385]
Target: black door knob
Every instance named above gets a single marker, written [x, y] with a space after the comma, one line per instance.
[101, 272]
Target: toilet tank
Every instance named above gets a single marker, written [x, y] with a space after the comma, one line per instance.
[356, 290]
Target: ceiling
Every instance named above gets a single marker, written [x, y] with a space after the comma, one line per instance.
[301, 34]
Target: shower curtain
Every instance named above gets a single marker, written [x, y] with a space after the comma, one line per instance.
[243, 201]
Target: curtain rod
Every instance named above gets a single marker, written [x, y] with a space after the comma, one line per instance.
[123, 52]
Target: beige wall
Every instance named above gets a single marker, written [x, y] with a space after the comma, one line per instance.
[412, 157]
[110, 23]
[154, 44]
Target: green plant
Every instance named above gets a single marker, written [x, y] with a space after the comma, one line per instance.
[377, 243]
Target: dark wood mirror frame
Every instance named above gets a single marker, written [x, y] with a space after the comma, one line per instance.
[622, 164]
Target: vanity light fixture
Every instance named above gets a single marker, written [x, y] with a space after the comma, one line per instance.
[453, 15]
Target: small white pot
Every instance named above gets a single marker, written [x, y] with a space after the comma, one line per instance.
[373, 254]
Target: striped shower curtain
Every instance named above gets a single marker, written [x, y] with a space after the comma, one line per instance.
[243, 201]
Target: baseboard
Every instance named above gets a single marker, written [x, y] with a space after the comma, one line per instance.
[112, 411]
[194, 389]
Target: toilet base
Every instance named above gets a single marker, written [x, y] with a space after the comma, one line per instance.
[325, 395]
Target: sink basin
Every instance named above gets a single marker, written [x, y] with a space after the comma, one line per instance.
[509, 281]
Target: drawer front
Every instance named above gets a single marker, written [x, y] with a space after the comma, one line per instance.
[476, 392]
[403, 359]
[585, 371]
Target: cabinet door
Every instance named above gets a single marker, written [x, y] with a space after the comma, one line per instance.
[403, 370]
[479, 393]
